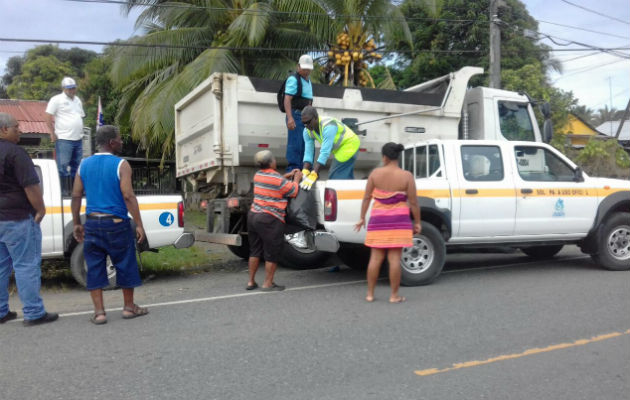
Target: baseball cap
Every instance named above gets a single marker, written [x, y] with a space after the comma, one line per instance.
[306, 62]
[68, 83]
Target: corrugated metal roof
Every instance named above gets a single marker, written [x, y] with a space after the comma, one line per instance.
[31, 114]
[610, 128]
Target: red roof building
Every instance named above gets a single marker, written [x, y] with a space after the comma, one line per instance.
[31, 114]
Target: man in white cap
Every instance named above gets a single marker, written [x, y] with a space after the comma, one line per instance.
[67, 130]
[297, 95]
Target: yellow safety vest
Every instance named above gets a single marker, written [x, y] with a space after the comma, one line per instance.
[346, 142]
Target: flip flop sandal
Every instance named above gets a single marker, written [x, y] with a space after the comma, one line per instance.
[94, 318]
[273, 288]
[251, 287]
[136, 311]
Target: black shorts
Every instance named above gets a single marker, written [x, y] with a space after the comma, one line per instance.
[265, 235]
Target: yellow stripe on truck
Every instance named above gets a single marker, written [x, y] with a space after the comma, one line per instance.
[358, 194]
[488, 192]
[149, 206]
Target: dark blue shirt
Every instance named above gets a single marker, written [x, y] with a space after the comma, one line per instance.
[16, 172]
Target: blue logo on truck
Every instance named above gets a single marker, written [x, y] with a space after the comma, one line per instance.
[167, 219]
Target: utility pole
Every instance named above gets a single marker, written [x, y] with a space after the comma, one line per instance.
[495, 46]
[611, 107]
[625, 116]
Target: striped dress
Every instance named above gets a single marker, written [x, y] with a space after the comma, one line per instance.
[271, 191]
[390, 224]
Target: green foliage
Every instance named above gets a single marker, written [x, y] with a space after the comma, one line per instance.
[604, 158]
[37, 75]
[432, 38]
[39, 78]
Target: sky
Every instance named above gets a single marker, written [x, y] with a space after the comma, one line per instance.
[593, 77]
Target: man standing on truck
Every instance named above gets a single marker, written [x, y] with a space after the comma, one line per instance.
[297, 95]
[67, 130]
[106, 181]
[21, 210]
[334, 137]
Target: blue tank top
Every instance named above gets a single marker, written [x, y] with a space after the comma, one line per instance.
[101, 182]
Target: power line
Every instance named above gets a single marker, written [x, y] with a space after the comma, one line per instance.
[582, 29]
[596, 12]
[168, 46]
[587, 70]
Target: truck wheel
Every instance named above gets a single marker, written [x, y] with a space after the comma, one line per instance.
[78, 267]
[355, 257]
[241, 251]
[295, 258]
[613, 248]
[423, 262]
[541, 252]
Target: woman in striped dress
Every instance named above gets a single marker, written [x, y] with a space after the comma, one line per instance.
[390, 227]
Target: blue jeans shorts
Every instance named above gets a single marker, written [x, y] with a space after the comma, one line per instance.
[106, 237]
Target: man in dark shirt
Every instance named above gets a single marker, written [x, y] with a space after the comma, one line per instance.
[21, 210]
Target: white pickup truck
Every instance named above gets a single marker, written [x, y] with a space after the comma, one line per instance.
[485, 193]
[162, 216]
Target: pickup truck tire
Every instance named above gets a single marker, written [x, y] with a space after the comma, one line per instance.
[422, 263]
[78, 267]
[613, 248]
[541, 252]
[295, 258]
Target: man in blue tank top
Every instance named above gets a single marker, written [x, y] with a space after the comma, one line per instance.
[106, 181]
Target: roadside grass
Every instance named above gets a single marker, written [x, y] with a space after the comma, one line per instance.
[168, 260]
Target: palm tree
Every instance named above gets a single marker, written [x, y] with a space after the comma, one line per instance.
[360, 26]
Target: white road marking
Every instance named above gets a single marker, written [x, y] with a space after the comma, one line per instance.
[324, 285]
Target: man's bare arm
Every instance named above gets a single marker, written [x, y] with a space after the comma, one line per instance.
[130, 199]
[51, 125]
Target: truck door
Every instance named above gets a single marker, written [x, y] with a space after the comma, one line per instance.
[549, 201]
[486, 194]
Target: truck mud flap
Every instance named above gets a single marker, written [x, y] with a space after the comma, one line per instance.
[220, 238]
[184, 241]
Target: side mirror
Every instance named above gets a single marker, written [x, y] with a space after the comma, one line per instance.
[578, 176]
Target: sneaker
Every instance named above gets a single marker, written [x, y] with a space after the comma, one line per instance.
[48, 317]
[297, 240]
[10, 316]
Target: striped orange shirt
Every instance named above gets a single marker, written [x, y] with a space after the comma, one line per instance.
[271, 191]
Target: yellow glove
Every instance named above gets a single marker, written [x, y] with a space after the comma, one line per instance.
[308, 182]
[305, 173]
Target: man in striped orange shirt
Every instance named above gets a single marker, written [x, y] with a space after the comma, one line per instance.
[265, 220]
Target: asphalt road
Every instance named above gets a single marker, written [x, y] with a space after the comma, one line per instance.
[492, 327]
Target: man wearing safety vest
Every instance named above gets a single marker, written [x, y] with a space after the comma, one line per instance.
[334, 137]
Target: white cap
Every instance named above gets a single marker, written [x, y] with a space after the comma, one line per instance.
[68, 83]
[306, 62]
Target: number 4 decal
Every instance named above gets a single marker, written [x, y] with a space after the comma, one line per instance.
[166, 219]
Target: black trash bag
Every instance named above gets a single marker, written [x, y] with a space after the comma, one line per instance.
[302, 210]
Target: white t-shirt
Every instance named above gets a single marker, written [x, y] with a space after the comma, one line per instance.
[68, 116]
